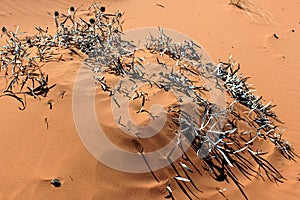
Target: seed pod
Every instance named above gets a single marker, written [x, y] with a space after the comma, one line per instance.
[72, 9]
[92, 21]
[56, 13]
[102, 9]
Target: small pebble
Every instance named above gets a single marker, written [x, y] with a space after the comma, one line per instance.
[56, 182]
[275, 36]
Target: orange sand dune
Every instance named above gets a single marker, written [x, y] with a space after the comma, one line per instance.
[32, 155]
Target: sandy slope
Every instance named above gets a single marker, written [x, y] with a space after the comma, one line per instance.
[31, 155]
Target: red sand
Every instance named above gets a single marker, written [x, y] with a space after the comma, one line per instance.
[31, 155]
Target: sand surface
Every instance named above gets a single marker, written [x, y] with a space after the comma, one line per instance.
[31, 155]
